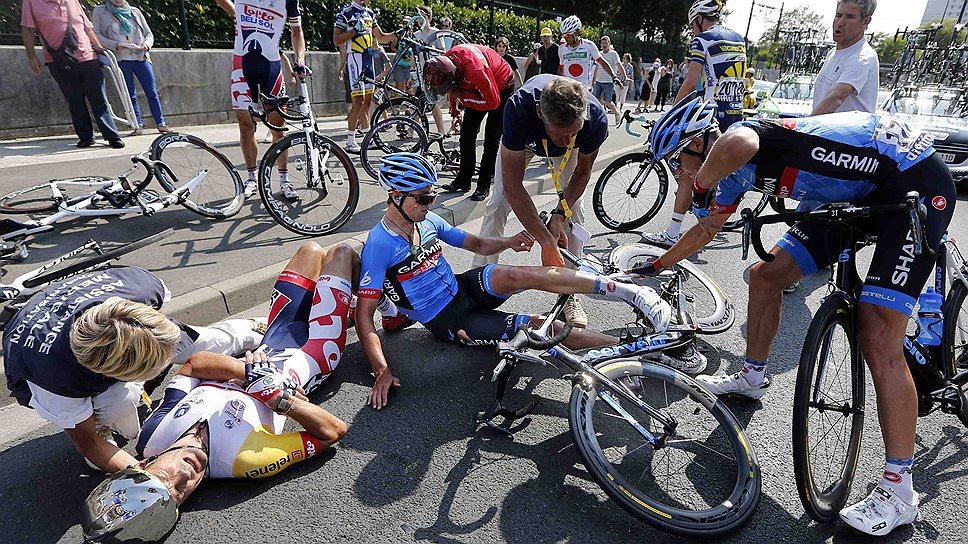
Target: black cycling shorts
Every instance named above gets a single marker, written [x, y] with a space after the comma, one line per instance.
[896, 276]
[473, 311]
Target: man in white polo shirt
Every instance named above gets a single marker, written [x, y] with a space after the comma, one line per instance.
[848, 80]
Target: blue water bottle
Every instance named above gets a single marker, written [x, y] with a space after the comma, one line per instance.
[930, 317]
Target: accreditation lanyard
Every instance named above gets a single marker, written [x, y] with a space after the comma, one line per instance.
[556, 173]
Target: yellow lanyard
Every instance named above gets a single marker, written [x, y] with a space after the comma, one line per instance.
[556, 174]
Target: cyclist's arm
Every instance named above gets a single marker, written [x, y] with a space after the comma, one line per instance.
[382, 36]
[373, 349]
[840, 92]
[318, 422]
[730, 153]
[206, 365]
[487, 245]
[227, 6]
[298, 44]
[691, 82]
[342, 36]
[99, 451]
[694, 239]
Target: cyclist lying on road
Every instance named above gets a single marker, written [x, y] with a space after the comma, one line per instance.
[402, 258]
[224, 418]
[79, 354]
[842, 157]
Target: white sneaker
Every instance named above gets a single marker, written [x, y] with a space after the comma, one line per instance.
[250, 188]
[352, 147]
[618, 120]
[660, 238]
[792, 287]
[575, 314]
[106, 433]
[687, 360]
[734, 384]
[289, 191]
[655, 309]
[880, 512]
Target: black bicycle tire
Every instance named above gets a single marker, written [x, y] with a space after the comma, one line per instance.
[598, 205]
[725, 518]
[952, 307]
[824, 507]
[352, 178]
[221, 212]
[378, 112]
[84, 264]
[52, 206]
[373, 170]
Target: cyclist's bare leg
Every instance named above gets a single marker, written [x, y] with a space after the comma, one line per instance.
[356, 109]
[276, 119]
[365, 112]
[767, 281]
[342, 261]
[579, 338]
[250, 149]
[508, 280]
[438, 119]
[313, 260]
[881, 334]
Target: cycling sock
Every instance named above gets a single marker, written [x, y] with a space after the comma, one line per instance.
[351, 137]
[897, 475]
[755, 372]
[675, 224]
[615, 289]
[387, 307]
[283, 175]
[251, 172]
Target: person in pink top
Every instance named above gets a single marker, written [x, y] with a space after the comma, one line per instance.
[70, 52]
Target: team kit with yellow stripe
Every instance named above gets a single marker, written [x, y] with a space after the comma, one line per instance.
[722, 54]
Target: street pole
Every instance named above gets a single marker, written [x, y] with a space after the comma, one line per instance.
[778, 19]
[962, 14]
[490, 24]
[183, 15]
[746, 37]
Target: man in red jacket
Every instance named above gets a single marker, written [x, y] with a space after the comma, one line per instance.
[482, 79]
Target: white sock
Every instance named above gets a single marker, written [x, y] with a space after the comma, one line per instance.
[615, 289]
[283, 176]
[252, 175]
[755, 372]
[387, 307]
[351, 137]
[898, 476]
[675, 224]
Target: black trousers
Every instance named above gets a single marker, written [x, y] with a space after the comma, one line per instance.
[493, 130]
[83, 84]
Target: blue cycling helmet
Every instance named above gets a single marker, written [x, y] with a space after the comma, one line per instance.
[407, 172]
[691, 117]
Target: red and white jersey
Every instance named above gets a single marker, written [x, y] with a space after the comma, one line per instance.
[259, 25]
[578, 62]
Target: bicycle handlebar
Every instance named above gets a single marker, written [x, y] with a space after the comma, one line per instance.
[628, 120]
[535, 343]
[837, 212]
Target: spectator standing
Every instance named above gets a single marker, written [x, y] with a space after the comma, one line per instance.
[654, 74]
[682, 72]
[848, 79]
[123, 28]
[70, 52]
[629, 87]
[648, 89]
[665, 86]
[501, 46]
[546, 54]
[638, 74]
[609, 84]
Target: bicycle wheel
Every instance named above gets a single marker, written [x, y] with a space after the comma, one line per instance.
[703, 298]
[630, 191]
[325, 199]
[392, 135]
[40, 198]
[955, 329]
[89, 263]
[184, 156]
[828, 411]
[737, 224]
[702, 481]
[399, 106]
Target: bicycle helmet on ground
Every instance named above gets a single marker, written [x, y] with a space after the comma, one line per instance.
[571, 25]
[131, 505]
[691, 117]
[705, 7]
[407, 172]
[440, 74]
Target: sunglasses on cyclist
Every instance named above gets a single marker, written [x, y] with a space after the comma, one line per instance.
[424, 199]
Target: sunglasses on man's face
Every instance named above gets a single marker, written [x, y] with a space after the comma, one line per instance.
[424, 199]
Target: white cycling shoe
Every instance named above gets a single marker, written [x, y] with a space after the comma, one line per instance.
[660, 238]
[687, 360]
[289, 191]
[250, 188]
[352, 147]
[651, 304]
[734, 384]
[880, 513]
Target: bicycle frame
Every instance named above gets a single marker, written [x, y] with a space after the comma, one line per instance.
[16, 289]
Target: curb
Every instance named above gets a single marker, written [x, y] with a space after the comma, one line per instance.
[235, 295]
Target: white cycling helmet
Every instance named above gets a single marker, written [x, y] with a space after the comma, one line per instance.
[571, 25]
[705, 7]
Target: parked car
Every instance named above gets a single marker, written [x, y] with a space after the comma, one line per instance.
[942, 112]
[792, 96]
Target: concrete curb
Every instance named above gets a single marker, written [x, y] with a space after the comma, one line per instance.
[232, 296]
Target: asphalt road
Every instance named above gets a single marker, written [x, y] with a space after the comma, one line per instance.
[420, 470]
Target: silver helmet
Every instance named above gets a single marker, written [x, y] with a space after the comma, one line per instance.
[131, 505]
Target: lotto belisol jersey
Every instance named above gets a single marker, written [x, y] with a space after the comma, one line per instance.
[360, 18]
[245, 436]
[840, 157]
[415, 277]
[259, 25]
[578, 61]
[722, 54]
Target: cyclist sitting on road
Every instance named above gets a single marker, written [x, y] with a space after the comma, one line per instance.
[842, 157]
[482, 79]
[402, 258]
[257, 71]
[223, 418]
[80, 352]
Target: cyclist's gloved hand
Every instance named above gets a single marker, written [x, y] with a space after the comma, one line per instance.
[650, 267]
[302, 70]
[701, 198]
[358, 26]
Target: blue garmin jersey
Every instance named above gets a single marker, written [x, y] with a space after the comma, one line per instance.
[840, 157]
[721, 53]
[416, 278]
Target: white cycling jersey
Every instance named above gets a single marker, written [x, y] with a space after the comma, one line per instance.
[578, 62]
[259, 25]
